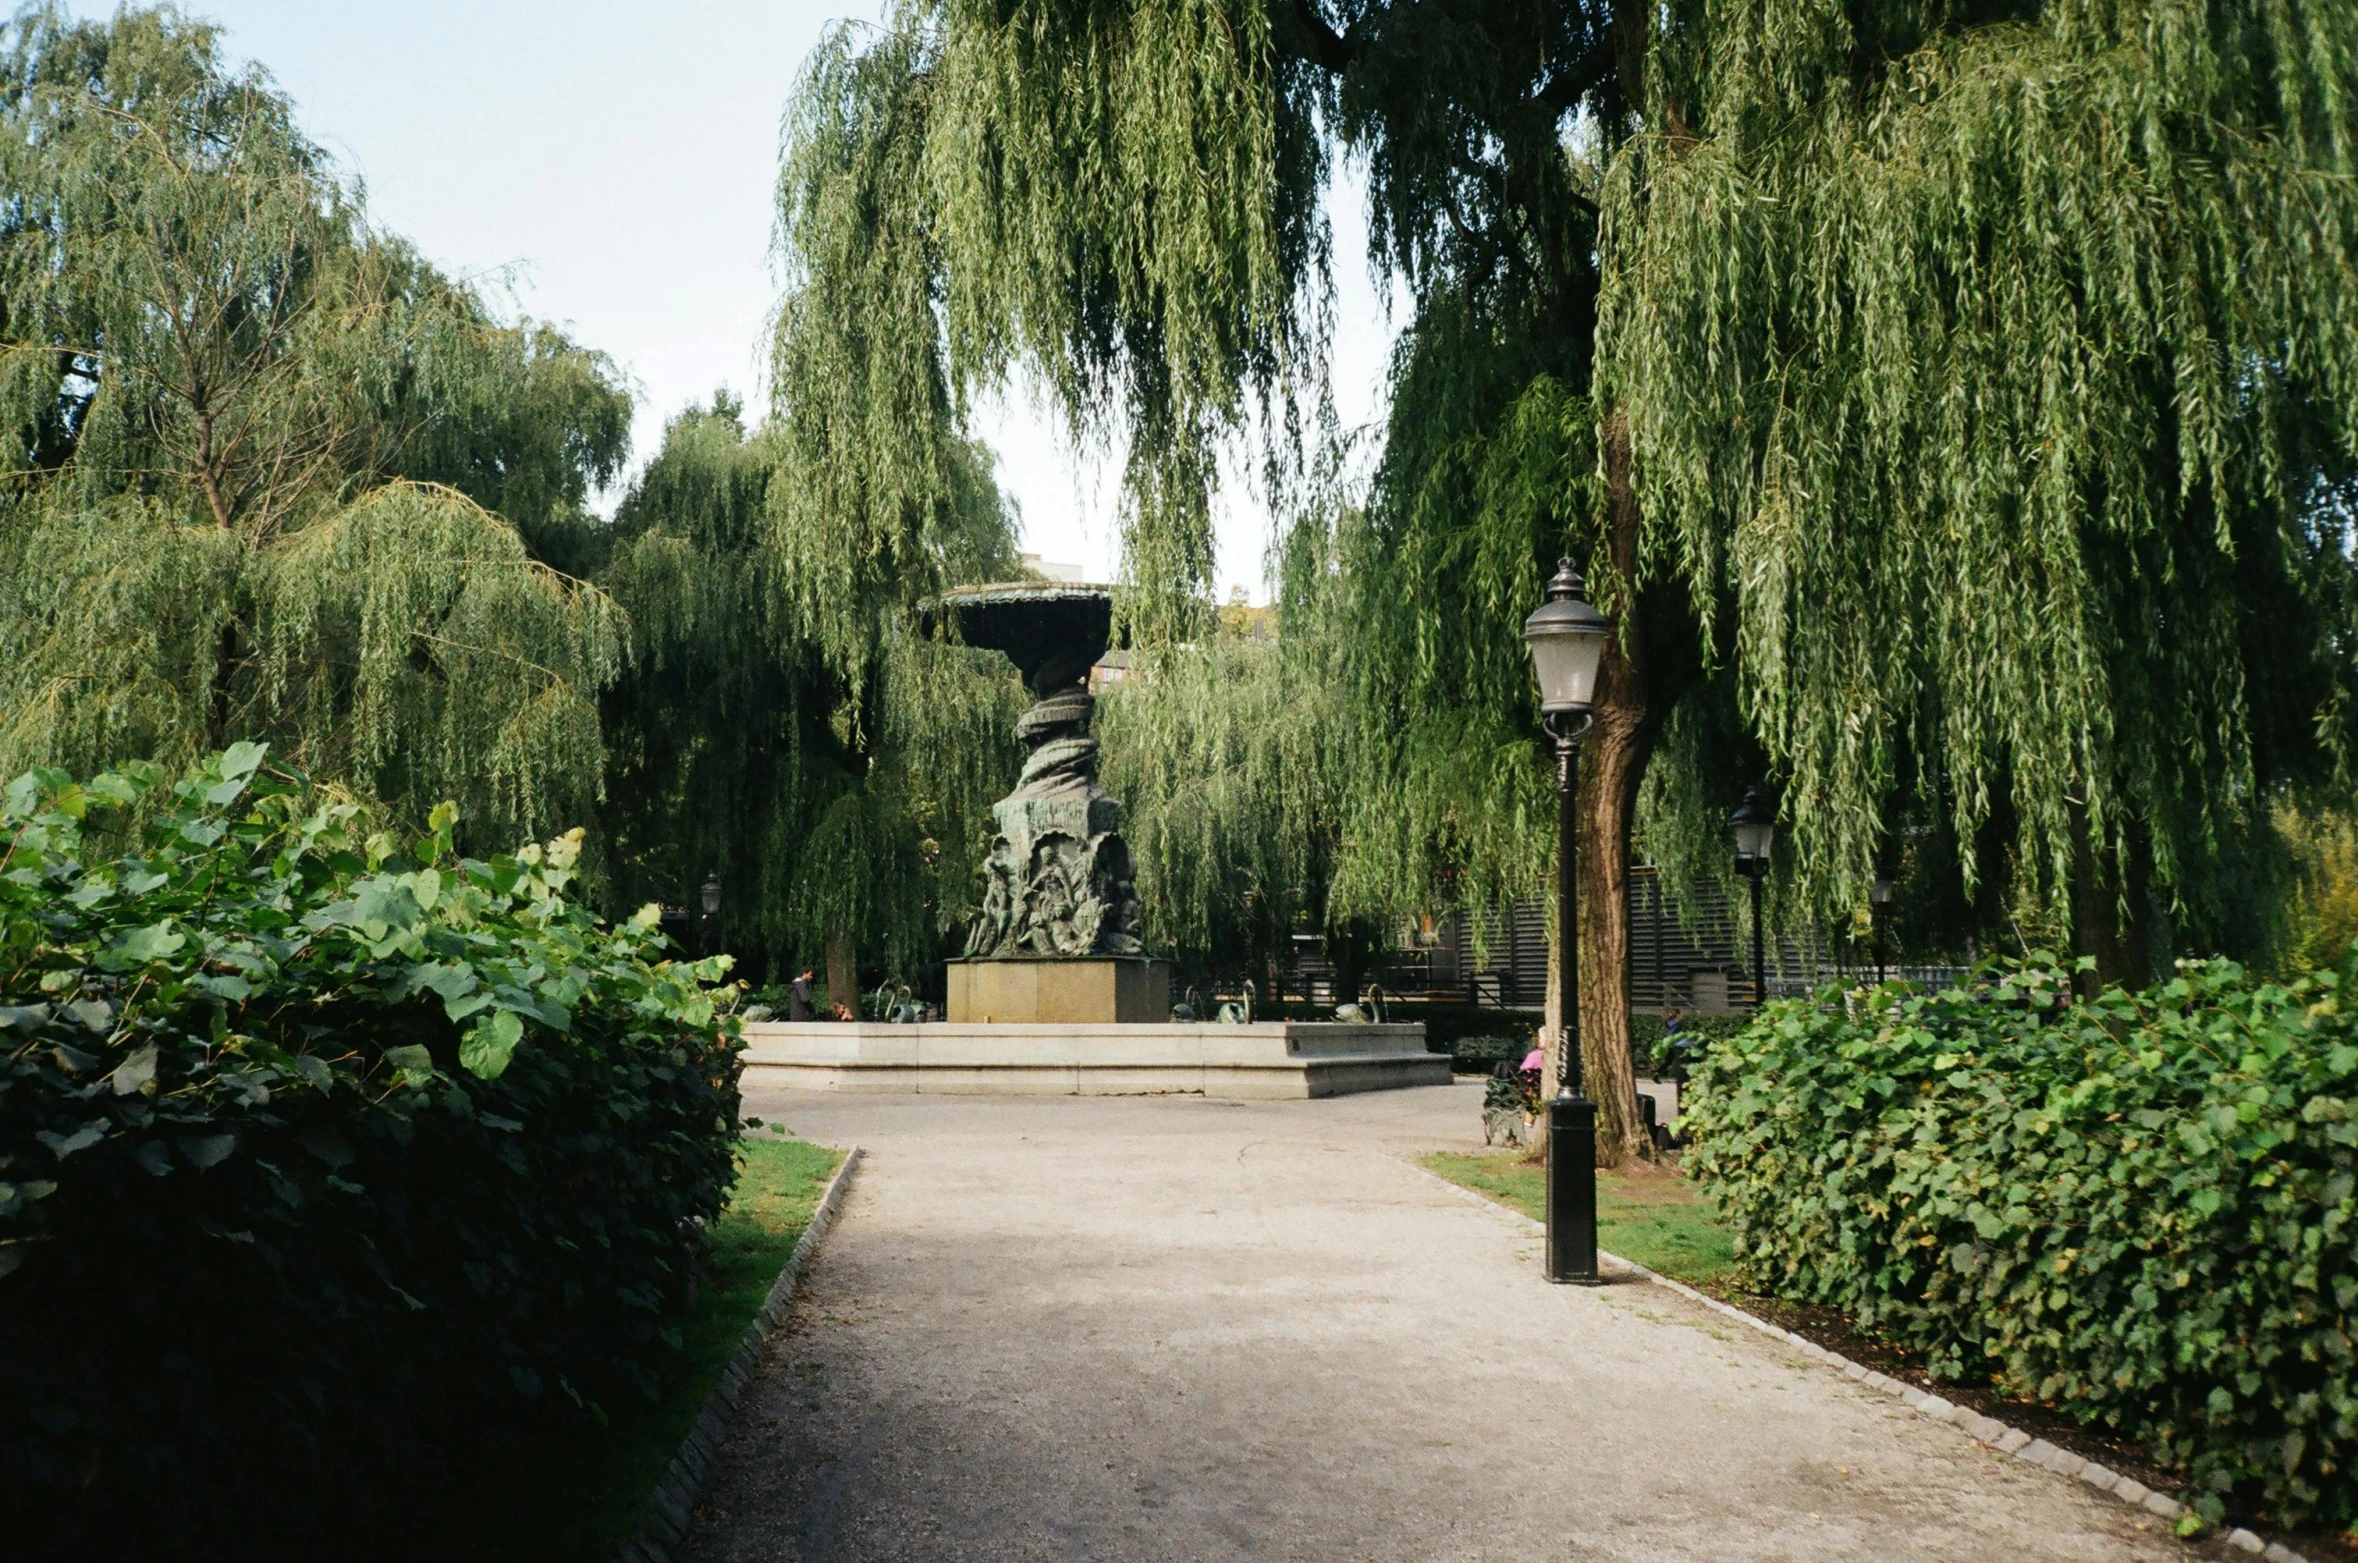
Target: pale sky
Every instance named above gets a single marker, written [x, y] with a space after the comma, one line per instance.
[620, 160]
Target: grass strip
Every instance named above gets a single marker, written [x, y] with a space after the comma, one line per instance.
[1652, 1215]
[575, 1490]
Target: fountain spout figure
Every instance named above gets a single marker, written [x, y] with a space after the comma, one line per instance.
[1058, 880]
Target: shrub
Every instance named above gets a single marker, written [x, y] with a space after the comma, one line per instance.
[1479, 1055]
[1447, 1024]
[2137, 1209]
[319, 1162]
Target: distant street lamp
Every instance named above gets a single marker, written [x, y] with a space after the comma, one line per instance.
[1753, 824]
[709, 896]
[1878, 908]
[1567, 639]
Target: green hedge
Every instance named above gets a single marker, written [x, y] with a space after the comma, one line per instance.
[2137, 1209]
[1480, 1055]
[1446, 1025]
[321, 1161]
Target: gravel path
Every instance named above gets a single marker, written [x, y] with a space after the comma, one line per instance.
[1165, 1328]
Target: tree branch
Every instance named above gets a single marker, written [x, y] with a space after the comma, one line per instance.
[1583, 76]
[1322, 45]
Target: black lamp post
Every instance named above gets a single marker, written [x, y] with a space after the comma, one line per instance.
[1753, 824]
[709, 897]
[1567, 640]
[1879, 908]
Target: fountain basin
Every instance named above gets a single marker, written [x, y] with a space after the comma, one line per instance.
[1261, 1060]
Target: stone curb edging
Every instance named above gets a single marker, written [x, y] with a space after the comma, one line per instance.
[1981, 1429]
[675, 1495]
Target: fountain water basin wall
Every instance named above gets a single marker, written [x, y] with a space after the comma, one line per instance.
[1260, 1061]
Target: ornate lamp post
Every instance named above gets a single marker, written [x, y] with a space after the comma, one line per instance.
[1753, 824]
[709, 898]
[1567, 640]
[1879, 908]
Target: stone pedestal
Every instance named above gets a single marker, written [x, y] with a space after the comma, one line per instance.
[1073, 990]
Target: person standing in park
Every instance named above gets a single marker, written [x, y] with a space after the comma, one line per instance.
[798, 997]
[1678, 1044]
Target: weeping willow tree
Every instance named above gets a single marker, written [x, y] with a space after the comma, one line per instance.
[1118, 202]
[1999, 365]
[1119, 205]
[265, 473]
[1958, 391]
[835, 773]
[1231, 755]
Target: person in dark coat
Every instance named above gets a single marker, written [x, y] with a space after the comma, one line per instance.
[798, 998]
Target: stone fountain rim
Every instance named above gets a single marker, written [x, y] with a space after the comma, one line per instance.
[1021, 591]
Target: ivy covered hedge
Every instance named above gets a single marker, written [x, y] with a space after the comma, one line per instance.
[323, 1157]
[2138, 1209]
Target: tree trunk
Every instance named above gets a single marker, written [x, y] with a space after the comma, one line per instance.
[843, 973]
[2099, 926]
[1613, 761]
[225, 665]
[1654, 660]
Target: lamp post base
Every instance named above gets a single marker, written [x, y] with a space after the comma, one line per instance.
[1572, 1191]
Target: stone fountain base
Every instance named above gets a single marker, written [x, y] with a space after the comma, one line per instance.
[1266, 1059]
[1071, 990]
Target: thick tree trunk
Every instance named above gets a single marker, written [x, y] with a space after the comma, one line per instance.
[843, 972]
[1645, 670]
[1613, 762]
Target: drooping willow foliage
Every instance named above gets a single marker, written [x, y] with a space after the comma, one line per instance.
[1232, 757]
[1123, 203]
[1118, 202]
[839, 787]
[1488, 458]
[2003, 374]
[263, 472]
[1958, 395]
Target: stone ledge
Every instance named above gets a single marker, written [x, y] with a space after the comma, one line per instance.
[1266, 1060]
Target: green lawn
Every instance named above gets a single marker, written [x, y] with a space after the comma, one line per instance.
[578, 1490]
[1652, 1215]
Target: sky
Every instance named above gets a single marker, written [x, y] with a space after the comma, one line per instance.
[610, 167]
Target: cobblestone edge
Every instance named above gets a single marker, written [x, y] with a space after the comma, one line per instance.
[675, 1495]
[1987, 1431]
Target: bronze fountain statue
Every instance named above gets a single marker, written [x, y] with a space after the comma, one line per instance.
[1058, 882]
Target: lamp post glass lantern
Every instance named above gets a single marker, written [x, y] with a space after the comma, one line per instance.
[708, 896]
[1753, 826]
[1566, 635]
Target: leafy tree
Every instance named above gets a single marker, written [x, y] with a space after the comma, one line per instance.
[1996, 364]
[1962, 390]
[833, 769]
[1230, 757]
[251, 452]
[1122, 202]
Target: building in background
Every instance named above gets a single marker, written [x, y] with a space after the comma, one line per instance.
[1499, 959]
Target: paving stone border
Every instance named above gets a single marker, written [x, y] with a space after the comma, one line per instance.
[1981, 1429]
[675, 1495]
